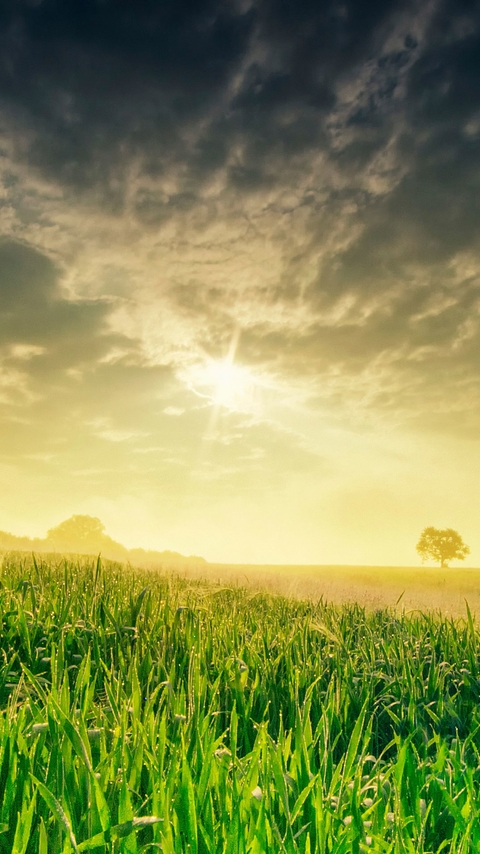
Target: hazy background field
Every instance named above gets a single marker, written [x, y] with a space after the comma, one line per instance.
[423, 588]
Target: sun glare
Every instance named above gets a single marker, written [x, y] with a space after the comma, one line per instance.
[226, 384]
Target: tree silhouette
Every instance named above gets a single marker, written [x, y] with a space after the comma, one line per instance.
[442, 545]
[77, 533]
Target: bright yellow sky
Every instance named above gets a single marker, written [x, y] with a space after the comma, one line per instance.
[234, 461]
[239, 286]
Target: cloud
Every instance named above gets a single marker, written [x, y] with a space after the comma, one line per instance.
[42, 335]
[54, 368]
[174, 410]
[305, 174]
[37, 320]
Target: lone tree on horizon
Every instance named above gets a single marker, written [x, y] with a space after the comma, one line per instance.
[442, 545]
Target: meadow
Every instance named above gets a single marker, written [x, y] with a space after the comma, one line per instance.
[416, 587]
[143, 711]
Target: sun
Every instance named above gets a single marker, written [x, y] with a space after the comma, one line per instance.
[229, 382]
[226, 383]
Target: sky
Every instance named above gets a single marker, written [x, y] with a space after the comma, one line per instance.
[240, 274]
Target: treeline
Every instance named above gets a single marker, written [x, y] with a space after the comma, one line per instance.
[86, 535]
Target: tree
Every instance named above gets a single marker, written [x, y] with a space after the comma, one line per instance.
[442, 545]
[78, 532]
[84, 535]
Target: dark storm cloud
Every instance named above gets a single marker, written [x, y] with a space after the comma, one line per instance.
[96, 84]
[412, 235]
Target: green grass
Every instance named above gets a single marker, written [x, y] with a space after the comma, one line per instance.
[144, 712]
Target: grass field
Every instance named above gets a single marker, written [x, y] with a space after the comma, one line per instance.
[423, 588]
[145, 712]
